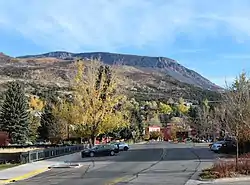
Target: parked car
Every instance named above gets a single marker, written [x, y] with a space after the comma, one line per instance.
[100, 150]
[228, 147]
[122, 146]
[216, 146]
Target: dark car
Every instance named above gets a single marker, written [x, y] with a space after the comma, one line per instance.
[228, 147]
[100, 150]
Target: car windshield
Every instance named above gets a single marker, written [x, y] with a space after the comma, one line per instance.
[219, 142]
[98, 146]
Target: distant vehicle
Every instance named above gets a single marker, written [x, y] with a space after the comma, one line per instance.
[217, 145]
[121, 145]
[100, 150]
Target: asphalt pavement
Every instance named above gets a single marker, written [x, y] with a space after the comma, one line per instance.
[155, 163]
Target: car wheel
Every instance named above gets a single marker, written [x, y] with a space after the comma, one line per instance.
[92, 154]
[112, 153]
[125, 148]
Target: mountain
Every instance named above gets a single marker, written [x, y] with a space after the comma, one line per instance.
[166, 65]
[144, 77]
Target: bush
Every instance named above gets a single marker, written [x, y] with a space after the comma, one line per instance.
[227, 168]
[155, 135]
[246, 156]
[224, 169]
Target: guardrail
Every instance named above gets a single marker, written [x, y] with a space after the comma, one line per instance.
[40, 154]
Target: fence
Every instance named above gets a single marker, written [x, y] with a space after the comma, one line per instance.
[40, 154]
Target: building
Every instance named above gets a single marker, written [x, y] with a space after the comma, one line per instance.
[177, 129]
[152, 128]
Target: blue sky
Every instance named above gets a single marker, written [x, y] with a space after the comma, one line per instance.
[211, 37]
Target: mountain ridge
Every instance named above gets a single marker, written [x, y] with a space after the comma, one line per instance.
[144, 78]
[166, 65]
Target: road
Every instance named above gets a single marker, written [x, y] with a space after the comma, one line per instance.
[155, 163]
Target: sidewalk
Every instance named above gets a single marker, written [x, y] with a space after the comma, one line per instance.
[31, 169]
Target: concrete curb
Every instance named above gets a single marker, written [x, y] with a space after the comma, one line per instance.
[25, 176]
[195, 177]
[192, 180]
[233, 179]
[65, 165]
[140, 143]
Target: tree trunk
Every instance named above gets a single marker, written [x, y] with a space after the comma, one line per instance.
[92, 140]
[237, 154]
[237, 146]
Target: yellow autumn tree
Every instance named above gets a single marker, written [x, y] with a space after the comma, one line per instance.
[165, 108]
[36, 103]
[36, 106]
[96, 100]
[67, 111]
[182, 107]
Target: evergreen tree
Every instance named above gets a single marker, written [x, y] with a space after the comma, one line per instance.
[14, 115]
[47, 117]
[47, 121]
[51, 129]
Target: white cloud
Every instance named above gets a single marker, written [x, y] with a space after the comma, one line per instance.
[112, 24]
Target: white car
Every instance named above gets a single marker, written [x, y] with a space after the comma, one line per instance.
[217, 145]
[122, 145]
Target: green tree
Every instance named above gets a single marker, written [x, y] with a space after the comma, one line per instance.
[136, 118]
[155, 121]
[47, 119]
[51, 129]
[195, 115]
[14, 116]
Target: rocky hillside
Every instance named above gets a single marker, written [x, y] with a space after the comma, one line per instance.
[146, 77]
[166, 65]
